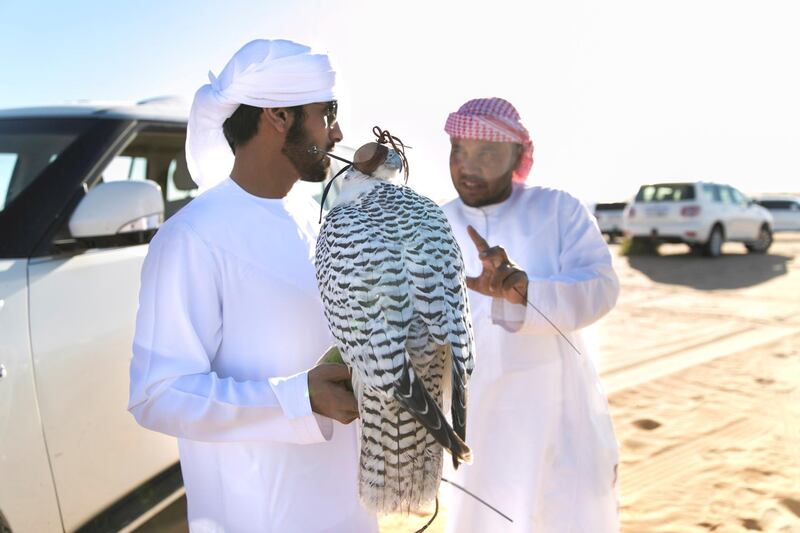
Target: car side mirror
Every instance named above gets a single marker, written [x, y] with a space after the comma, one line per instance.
[117, 213]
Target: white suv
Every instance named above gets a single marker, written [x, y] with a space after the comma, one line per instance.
[82, 190]
[785, 210]
[700, 214]
[609, 218]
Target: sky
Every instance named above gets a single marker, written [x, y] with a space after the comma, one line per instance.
[615, 93]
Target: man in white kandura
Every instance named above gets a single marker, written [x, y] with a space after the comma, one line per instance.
[230, 320]
[544, 449]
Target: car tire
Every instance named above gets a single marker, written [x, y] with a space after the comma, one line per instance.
[713, 246]
[4, 527]
[762, 243]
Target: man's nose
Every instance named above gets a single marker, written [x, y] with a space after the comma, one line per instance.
[467, 165]
[335, 134]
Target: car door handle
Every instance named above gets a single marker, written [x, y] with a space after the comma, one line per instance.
[3, 371]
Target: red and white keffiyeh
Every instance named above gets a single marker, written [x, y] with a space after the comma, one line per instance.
[493, 120]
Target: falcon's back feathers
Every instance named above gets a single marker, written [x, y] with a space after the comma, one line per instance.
[393, 286]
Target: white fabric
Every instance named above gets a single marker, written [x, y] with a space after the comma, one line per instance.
[229, 321]
[262, 74]
[537, 420]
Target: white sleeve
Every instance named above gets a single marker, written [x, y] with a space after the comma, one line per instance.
[585, 289]
[178, 332]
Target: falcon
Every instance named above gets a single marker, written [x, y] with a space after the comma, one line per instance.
[392, 282]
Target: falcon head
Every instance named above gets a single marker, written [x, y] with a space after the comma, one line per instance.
[378, 160]
[372, 163]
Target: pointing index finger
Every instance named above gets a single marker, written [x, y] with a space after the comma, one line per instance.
[480, 242]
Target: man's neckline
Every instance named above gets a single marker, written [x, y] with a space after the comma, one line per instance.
[259, 199]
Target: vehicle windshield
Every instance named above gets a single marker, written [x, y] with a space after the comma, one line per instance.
[27, 148]
[666, 192]
[778, 204]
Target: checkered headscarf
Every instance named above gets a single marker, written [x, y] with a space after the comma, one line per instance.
[494, 120]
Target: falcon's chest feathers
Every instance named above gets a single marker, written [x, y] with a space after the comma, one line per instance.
[392, 282]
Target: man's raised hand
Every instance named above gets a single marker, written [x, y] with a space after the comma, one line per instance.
[500, 278]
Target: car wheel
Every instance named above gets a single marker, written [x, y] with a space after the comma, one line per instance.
[762, 243]
[713, 246]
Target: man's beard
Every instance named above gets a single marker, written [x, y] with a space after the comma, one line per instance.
[490, 197]
[310, 167]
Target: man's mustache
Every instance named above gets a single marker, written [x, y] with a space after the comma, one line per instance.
[472, 177]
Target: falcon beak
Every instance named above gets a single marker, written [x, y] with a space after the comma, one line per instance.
[393, 161]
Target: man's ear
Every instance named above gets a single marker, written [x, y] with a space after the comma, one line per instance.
[515, 156]
[277, 118]
[518, 148]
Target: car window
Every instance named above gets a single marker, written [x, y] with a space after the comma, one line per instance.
[725, 195]
[125, 167]
[616, 206]
[7, 164]
[780, 204]
[666, 192]
[713, 192]
[27, 148]
[157, 155]
[179, 184]
[737, 197]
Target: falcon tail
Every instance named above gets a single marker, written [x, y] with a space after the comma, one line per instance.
[400, 463]
[412, 394]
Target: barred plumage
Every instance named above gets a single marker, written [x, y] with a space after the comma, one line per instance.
[393, 286]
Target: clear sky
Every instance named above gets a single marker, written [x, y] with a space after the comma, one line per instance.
[615, 93]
